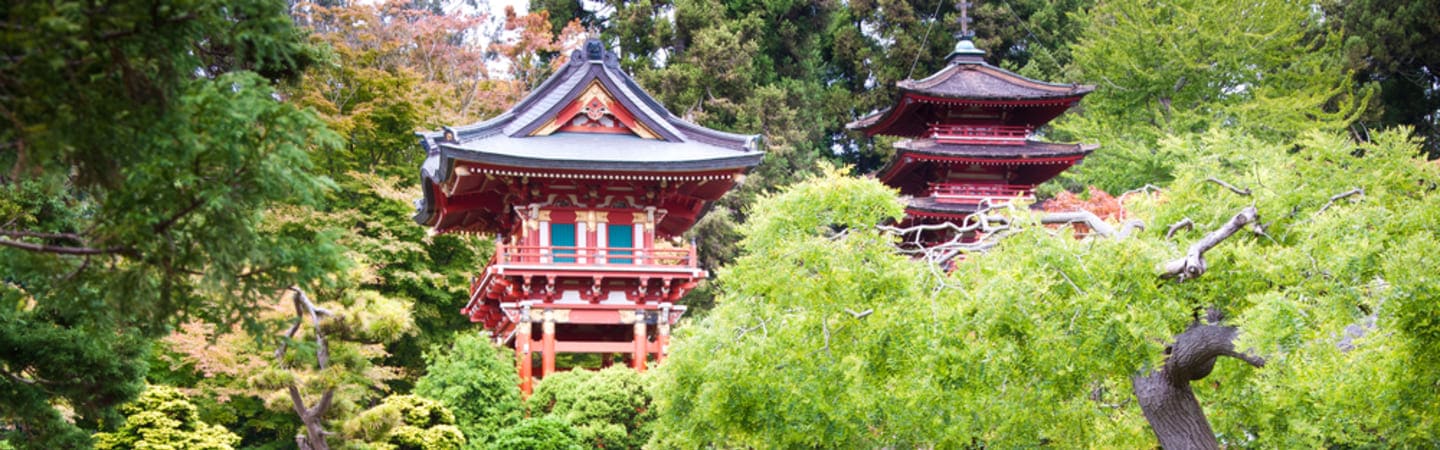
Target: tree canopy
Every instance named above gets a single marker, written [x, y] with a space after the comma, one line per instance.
[172, 172]
[1036, 342]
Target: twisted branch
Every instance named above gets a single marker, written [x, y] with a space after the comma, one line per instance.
[1192, 265]
[1341, 196]
[1185, 223]
[314, 438]
[1243, 192]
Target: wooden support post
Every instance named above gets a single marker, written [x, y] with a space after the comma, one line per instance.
[639, 353]
[607, 360]
[522, 352]
[662, 341]
[547, 357]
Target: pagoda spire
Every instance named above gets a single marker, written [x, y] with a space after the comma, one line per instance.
[965, 19]
[965, 50]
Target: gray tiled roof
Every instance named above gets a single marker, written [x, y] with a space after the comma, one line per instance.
[980, 81]
[505, 139]
[973, 79]
[614, 152]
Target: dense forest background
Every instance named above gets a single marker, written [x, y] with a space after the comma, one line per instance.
[170, 169]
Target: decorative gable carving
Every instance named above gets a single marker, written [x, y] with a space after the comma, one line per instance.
[595, 111]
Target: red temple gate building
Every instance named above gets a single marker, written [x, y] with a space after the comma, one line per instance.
[588, 182]
[971, 129]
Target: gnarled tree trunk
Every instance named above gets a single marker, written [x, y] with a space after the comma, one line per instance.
[1165, 395]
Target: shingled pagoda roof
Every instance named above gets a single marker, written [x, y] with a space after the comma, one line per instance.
[908, 169]
[1031, 149]
[535, 135]
[969, 80]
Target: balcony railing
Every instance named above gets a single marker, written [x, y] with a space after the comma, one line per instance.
[967, 193]
[984, 135]
[595, 256]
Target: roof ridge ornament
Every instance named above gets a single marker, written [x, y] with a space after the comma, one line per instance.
[965, 50]
[594, 50]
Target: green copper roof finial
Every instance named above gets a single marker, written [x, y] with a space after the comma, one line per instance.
[965, 50]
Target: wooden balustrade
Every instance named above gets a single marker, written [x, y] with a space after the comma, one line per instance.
[968, 193]
[984, 135]
[594, 256]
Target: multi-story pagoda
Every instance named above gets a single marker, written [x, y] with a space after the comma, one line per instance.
[971, 129]
[588, 182]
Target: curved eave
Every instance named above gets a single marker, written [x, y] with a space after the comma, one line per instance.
[740, 161]
[882, 121]
[907, 154]
[925, 207]
[1002, 84]
[425, 205]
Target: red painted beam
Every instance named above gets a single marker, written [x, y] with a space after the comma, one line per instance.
[594, 347]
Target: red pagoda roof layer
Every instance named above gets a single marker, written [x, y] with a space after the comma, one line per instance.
[970, 82]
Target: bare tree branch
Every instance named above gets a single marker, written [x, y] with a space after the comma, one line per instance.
[1192, 265]
[983, 229]
[37, 234]
[312, 417]
[1140, 190]
[1341, 196]
[861, 314]
[1244, 192]
[1185, 223]
[1100, 226]
[63, 250]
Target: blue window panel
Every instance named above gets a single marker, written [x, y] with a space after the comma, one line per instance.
[563, 235]
[620, 236]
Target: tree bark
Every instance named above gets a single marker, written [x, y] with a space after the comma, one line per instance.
[314, 416]
[1192, 265]
[1165, 395]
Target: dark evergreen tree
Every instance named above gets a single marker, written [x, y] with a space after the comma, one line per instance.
[144, 147]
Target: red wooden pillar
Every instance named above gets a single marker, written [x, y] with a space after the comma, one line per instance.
[522, 352]
[638, 353]
[662, 341]
[547, 357]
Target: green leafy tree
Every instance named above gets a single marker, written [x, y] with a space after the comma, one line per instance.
[239, 366]
[163, 417]
[406, 422]
[609, 408]
[1178, 68]
[478, 382]
[826, 335]
[780, 363]
[146, 151]
[544, 433]
[401, 260]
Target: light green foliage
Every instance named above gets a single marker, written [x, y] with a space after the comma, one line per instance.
[477, 381]
[1364, 266]
[780, 363]
[608, 408]
[395, 67]
[1172, 68]
[405, 422]
[1035, 342]
[544, 433]
[399, 260]
[163, 418]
